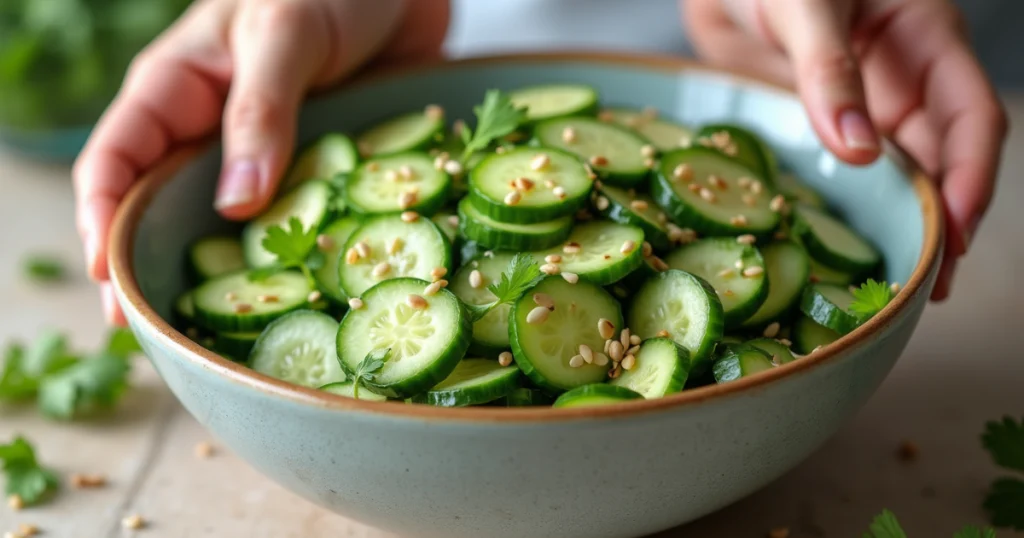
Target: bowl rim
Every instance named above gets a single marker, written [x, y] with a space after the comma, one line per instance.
[130, 213]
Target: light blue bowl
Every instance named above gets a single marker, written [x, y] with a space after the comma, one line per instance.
[617, 471]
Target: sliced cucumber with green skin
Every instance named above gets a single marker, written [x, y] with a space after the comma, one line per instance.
[299, 348]
[684, 305]
[624, 162]
[543, 349]
[231, 303]
[728, 211]
[310, 202]
[473, 382]
[662, 367]
[426, 343]
[827, 275]
[664, 134]
[555, 100]
[477, 226]
[348, 390]
[213, 256]
[490, 331]
[779, 352]
[640, 210]
[833, 243]
[422, 247]
[328, 156]
[602, 256]
[235, 346]
[808, 335]
[788, 268]
[741, 361]
[448, 223]
[378, 185]
[715, 260]
[595, 395]
[413, 131]
[558, 189]
[327, 276]
[798, 191]
[740, 144]
[526, 397]
[828, 306]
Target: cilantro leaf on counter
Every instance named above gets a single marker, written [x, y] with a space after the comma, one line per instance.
[44, 268]
[1004, 440]
[88, 384]
[24, 476]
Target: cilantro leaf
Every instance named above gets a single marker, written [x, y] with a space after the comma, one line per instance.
[522, 274]
[369, 367]
[15, 383]
[495, 118]
[971, 531]
[122, 343]
[90, 383]
[294, 247]
[885, 525]
[49, 353]
[1005, 503]
[870, 299]
[25, 477]
[44, 268]
[1005, 442]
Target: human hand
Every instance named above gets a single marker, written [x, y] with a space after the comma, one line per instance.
[901, 68]
[243, 65]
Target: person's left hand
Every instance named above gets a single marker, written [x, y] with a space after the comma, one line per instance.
[901, 68]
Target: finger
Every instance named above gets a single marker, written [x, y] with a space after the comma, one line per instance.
[725, 42]
[815, 35]
[279, 47]
[111, 309]
[944, 282]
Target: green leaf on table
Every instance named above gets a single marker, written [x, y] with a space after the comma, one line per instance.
[89, 384]
[1005, 503]
[495, 118]
[44, 268]
[885, 525]
[122, 343]
[15, 383]
[522, 274]
[24, 476]
[49, 353]
[971, 531]
[870, 298]
[1004, 440]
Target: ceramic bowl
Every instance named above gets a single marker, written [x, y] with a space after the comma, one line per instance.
[621, 470]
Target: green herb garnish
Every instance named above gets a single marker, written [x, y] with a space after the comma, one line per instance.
[495, 118]
[44, 268]
[25, 478]
[971, 531]
[368, 369]
[870, 298]
[885, 525]
[1004, 440]
[294, 247]
[522, 274]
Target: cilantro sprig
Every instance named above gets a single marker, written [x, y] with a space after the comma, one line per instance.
[44, 268]
[369, 368]
[522, 274]
[294, 247]
[870, 298]
[885, 525]
[495, 118]
[25, 477]
[1004, 440]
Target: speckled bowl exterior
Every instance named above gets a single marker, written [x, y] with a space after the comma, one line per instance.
[623, 470]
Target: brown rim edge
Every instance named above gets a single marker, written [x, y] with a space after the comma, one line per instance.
[131, 211]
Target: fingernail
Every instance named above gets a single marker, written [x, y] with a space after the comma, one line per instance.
[239, 185]
[857, 131]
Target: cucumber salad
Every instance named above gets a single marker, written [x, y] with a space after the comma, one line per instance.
[551, 252]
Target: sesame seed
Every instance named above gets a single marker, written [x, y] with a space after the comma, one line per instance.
[355, 303]
[590, 171]
[726, 273]
[500, 150]
[633, 350]
[410, 216]
[513, 198]
[682, 172]
[84, 481]
[545, 300]
[771, 330]
[406, 172]
[571, 278]
[539, 314]
[614, 372]
[658, 264]
[381, 269]
[598, 160]
[476, 279]
[230, 296]
[522, 183]
[267, 298]
[313, 296]
[646, 249]
[395, 246]
[363, 248]
[746, 239]
[440, 161]
[628, 362]
[568, 135]
[416, 301]
[443, 283]
[540, 162]
[749, 200]
[25, 530]
[606, 116]
[548, 184]
[662, 218]
[133, 522]
[549, 269]
[753, 271]
[624, 337]
[559, 193]
[453, 168]
[778, 203]
[600, 359]
[434, 112]
[432, 289]
[615, 350]
[391, 175]
[744, 182]
[453, 220]
[553, 258]
[243, 308]
[717, 182]
[728, 293]
[572, 247]
[720, 138]
[407, 199]
[15, 502]
[894, 288]
[635, 340]
[707, 195]
[638, 205]
[576, 361]
[785, 341]
[731, 150]
[601, 203]
[605, 328]
[739, 220]
[505, 358]
[373, 166]
[756, 187]
[627, 246]
[694, 188]
[438, 272]
[324, 242]
[203, 450]
[648, 150]
[779, 532]
[684, 142]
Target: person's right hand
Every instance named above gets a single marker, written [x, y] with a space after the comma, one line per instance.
[245, 66]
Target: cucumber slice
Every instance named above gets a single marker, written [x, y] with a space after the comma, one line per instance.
[337, 233]
[525, 397]
[378, 186]
[231, 303]
[426, 344]
[597, 251]
[213, 256]
[543, 349]
[788, 268]
[473, 382]
[640, 210]
[235, 346]
[827, 275]
[596, 394]
[727, 212]
[684, 305]
[477, 226]
[555, 100]
[310, 202]
[448, 223]
[779, 352]
[348, 390]
[739, 361]
[798, 191]
[299, 348]
[740, 144]
[330, 155]
[421, 248]
[726, 265]
[828, 306]
[490, 331]
[664, 134]
[662, 367]
[407, 132]
[614, 153]
[831, 242]
[808, 335]
[558, 189]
